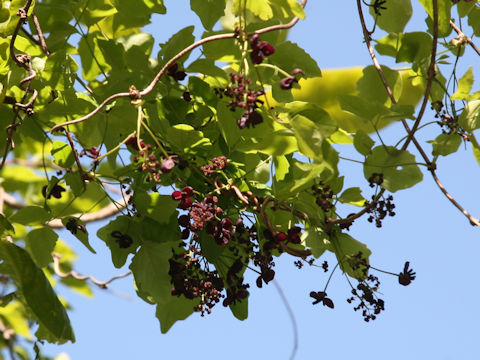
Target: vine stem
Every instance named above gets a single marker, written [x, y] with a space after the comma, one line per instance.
[135, 95]
[430, 76]
[75, 275]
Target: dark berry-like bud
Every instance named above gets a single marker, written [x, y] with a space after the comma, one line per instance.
[280, 237]
[177, 195]
[187, 191]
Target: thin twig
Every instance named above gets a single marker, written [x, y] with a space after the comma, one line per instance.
[430, 76]
[104, 213]
[464, 38]
[135, 94]
[291, 314]
[41, 38]
[75, 275]
[474, 221]
[388, 89]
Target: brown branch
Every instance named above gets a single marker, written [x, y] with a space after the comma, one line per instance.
[430, 76]
[22, 13]
[474, 221]
[75, 155]
[41, 38]
[377, 66]
[464, 38]
[75, 275]
[48, 53]
[135, 95]
[104, 213]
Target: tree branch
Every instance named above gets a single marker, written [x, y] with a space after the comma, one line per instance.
[104, 213]
[136, 95]
[75, 275]
[431, 74]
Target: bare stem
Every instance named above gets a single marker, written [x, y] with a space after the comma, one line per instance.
[75, 275]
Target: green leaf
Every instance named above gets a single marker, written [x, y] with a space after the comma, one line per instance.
[38, 293]
[362, 142]
[470, 117]
[398, 167]
[346, 248]
[309, 137]
[177, 308]
[444, 7]
[316, 240]
[78, 233]
[396, 15]
[371, 88]
[62, 154]
[124, 225]
[464, 86]
[177, 42]
[414, 47]
[186, 139]
[156, 206]
[261, 8]
[150, 268]
[5, 225]
[475, 148]
[445, 144]
[209, 11]
[74, 180]
[30, 215]
[40, 244]
[352, 196]
[289, 56]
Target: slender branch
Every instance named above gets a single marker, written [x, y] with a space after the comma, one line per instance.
[22, 13]
[464, 38]
[135, 94]
[75, 275]
[291, 314]
[104, 213]
[474, 221]
[41, 38]
[75, 155]
[430, 76]
[377, 66]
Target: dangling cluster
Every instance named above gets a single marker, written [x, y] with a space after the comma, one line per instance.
[218, 163]
[244, 98]
[287, 82]
[448, 123]
[147, 161]
[323, 195]
[368, 302]
[375, 179]
[292, 236]
[380, 210]
[189, 279]
[260, 49]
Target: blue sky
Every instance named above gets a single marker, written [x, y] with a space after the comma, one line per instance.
[436, 317]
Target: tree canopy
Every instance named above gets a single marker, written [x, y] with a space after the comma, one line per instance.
[214, 156]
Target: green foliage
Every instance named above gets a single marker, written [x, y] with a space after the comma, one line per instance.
[220, 162]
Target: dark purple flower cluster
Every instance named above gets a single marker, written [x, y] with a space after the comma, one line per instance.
[260, 49]
[287, 82]
[218, 163]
